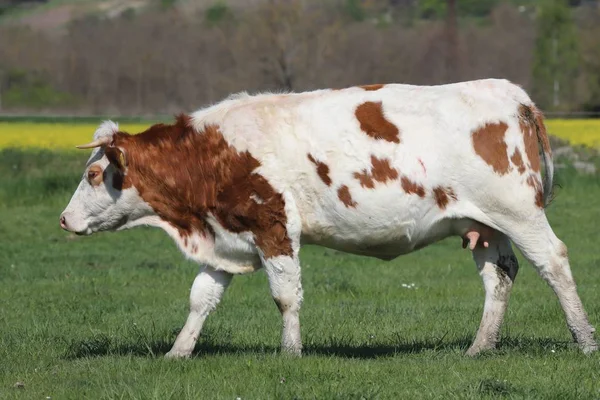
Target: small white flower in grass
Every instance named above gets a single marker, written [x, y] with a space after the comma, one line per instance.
[409, 286]
[553, 351]
[238, 398]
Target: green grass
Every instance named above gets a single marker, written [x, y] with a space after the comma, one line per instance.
[92, 317]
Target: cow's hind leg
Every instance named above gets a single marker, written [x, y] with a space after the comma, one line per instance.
[498, 267]
[286, 289]
[206, 292]
[548, 254]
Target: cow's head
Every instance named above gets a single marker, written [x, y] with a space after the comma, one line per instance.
[104, 200]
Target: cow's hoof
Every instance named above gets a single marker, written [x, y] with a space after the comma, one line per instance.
[174, 354]
[291, 352]
[472, 352]
[589, 348]
[476, 350]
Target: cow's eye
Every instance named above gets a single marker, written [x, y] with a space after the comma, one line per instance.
[94, 176]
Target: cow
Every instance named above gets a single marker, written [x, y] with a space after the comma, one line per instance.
[378, 170]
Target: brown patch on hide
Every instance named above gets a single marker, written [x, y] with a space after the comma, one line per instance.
[536, 184]
[488, 142]
[517, 161]
[411, 187]
[373, 122]
[373, 87]
[443, 195]
[381, 171]
[345, 196]
[365, 179]
[322, 170]
[185, 175]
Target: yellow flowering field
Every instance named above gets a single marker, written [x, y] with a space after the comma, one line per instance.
[59, 136]
[67, 136]
[576, 131]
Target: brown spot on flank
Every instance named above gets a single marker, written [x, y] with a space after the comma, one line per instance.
[373, 123]
[517, 160]
[345, 197]
[381, 171]
[372, 87]
[322, 170]
[411, 187]
[185, 175]
[488, 142]
[365, 179]
[443, 195]
[536, 184]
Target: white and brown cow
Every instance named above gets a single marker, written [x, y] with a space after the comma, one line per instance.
[379, 170]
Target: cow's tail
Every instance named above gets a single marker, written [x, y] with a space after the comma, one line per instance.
[544, 143]
[533, 118]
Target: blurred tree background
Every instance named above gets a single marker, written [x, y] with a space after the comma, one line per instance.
[144, 57]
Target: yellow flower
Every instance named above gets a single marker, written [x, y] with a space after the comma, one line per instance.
[56, 136]
[576, 131]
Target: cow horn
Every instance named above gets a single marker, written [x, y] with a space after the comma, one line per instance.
[103, 141]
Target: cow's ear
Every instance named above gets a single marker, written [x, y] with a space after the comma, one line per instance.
[117, 157]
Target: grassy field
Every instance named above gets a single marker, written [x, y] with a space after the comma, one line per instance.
[92, 317]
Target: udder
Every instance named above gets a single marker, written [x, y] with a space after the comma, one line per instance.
[477, 235]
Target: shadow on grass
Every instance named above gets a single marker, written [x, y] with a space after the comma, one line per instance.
[102, 345]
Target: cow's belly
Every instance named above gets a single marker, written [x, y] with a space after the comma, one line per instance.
[386, 240]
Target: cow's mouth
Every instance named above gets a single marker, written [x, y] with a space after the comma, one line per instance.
[85, 232]
[121, 222]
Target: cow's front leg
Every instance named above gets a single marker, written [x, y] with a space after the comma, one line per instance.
[498, 267]
[286, 289]
[207, 290]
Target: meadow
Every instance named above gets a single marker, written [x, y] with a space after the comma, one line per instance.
[92, 317]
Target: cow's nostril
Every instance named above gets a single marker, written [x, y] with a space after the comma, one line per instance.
[63, 223]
